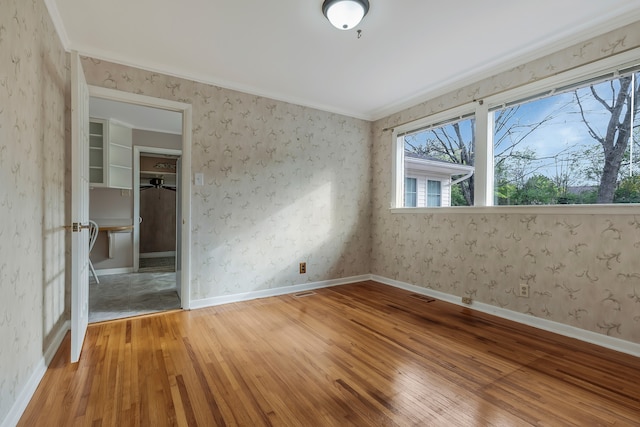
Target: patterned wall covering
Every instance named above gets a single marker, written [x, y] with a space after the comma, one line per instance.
[583, 270]
[33, 82]
[283, 184]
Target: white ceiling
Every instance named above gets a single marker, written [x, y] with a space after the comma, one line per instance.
[410, 50]
[136, 116]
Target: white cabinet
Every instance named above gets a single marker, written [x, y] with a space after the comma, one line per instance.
[97, 152]
[120, 156]
[110, 154]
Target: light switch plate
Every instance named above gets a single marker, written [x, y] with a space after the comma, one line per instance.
[199, 179]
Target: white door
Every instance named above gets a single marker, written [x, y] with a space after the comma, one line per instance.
[79, 206]
[179, 230]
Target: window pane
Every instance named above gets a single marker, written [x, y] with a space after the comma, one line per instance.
[434, 193]
[552, 150]
[436, 152]
[410, 192]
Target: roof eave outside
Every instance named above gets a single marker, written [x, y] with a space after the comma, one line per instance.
[438, 166]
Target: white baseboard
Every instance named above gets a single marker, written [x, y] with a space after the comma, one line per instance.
[32, 383]
[245, 296]
[526, 319]
[110, 271]
[51, 351]
[157, 254]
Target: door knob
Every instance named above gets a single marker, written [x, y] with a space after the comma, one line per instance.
[77, 227]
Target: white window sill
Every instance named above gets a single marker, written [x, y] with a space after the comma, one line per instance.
[610, 209]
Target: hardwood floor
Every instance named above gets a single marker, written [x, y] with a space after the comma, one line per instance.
[364, 354]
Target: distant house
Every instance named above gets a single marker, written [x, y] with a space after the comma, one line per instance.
[427, 180]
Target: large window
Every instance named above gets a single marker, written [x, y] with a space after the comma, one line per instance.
[566, 140]
[574, 147]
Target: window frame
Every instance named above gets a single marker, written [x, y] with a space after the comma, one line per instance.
[610, 67]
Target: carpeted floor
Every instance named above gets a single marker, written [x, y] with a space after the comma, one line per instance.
[127, 295]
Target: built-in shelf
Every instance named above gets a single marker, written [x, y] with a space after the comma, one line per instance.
[110, 154]
[158, 167]
[97, 152]
[157, 173]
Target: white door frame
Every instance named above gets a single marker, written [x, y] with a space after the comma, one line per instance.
[185, 196]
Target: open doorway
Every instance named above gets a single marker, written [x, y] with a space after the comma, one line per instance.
[157, 196]
[120, 288]
[80, 179]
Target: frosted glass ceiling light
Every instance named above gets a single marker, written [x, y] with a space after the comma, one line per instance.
[345, 14]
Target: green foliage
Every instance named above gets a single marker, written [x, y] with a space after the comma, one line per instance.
[507, 194]
[457, 198]
[628, 190]
[537, 190]
[541, 190]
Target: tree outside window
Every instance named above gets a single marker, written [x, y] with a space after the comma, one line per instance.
[452, 142]
[572, 148]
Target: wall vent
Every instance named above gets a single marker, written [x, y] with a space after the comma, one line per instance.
[303, 294]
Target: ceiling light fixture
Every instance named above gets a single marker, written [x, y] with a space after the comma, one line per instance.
[345, 14]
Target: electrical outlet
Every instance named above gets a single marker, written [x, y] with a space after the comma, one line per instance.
[524, 290]
[466, 300]
[303, 267]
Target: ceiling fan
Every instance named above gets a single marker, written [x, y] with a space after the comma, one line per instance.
[156, 183]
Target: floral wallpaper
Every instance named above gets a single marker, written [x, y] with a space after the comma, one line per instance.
[34, 81]
[283, 184]
[583, 269]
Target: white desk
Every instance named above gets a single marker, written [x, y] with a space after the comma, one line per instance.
[112, 226]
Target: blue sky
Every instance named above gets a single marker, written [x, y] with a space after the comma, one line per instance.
[565, 132]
